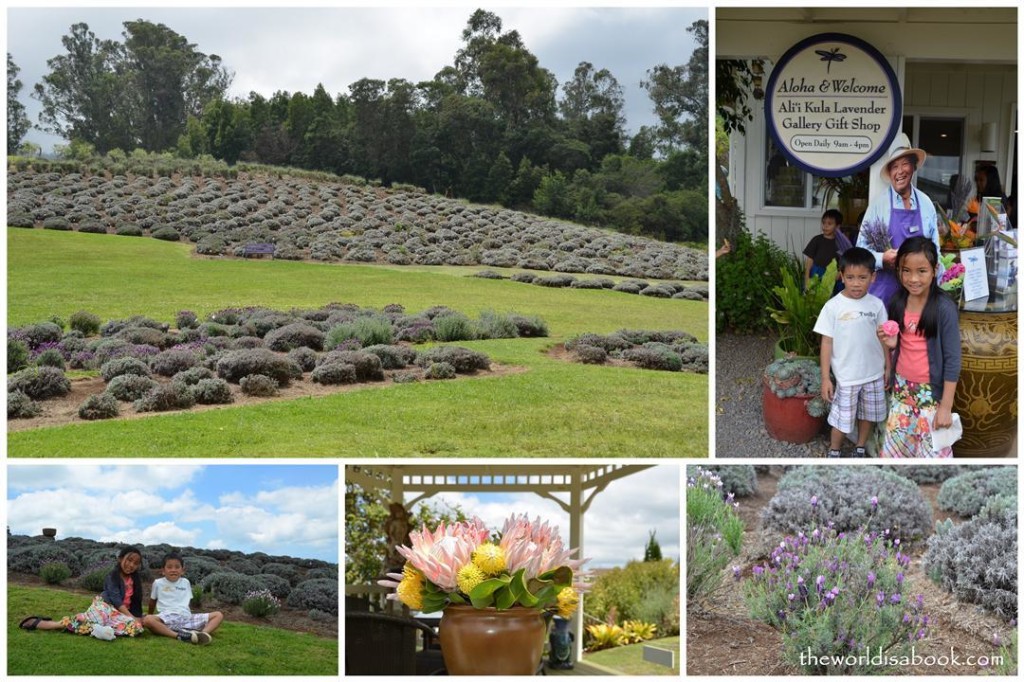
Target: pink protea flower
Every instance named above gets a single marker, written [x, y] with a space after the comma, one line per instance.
[535, 546]
[440, 555]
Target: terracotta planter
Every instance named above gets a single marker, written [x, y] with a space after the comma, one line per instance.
[786, 419]
[492, 642]
[986, 395]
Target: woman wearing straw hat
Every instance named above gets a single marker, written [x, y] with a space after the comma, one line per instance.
[897, 214]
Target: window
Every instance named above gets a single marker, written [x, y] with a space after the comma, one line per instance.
[787, 186]
[943, 139]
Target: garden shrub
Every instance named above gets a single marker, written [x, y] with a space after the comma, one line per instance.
[126, 365]
[925, 473]
[85, 322]
[641, 590]
[57, 223]
[39, 383]
[303, 357]
[591, 355]
[849, 498]
[530, 326]
[393, 357]
[18, 355]
[261, 603]
[212, 392]
[230, 587]
[166, 233]
[977, 560]
[315, 594]
[186, 319]
[654, 358]
[286, 571]
[629, 287]
[193, 375]
[130, 387]
[243, 565]
[368, 366]
[738, 479]
[258, 385]
[34, 335]
[835, 594]
[555, 281]
[334, 373]
[639, 631]
[492, 325]
[241, 363]
[714, 533]
[368, 331]
[198, 567]
[51, 357]
[607, 342]
[278, 586]
[174, 361]
[967, 493]
[20, 406]
[454, 327]
[605, 636]
[143, 336]
[405, 377]
[164, 397]
[439, 370]
[99, 406]
[327, 572]
[54, 573]
[92, 578]
[525, 277]
[464, 360]
[738, 305]
[247, 342]
[129, 230]
[295, 335]
[32, 558]
[322, 616]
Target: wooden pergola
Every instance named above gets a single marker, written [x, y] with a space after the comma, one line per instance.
[580, 482]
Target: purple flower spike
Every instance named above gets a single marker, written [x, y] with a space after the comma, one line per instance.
[920, 601]
[906, 618]
[880, 598]
[791, 596]
[758, 570]
[736, 572]
[814, 501]
[899, 579]
[871, 579]
[819, 583]
[895, 599]
[874, 503]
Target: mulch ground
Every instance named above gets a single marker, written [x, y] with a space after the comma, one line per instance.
[723, 640]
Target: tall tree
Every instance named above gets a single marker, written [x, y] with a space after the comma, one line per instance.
[592, 104]
[18, 124]
[680, 97]
[653, 550]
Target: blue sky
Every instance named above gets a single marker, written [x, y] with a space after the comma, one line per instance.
[338, 46]
[278, 509]
[617, 524]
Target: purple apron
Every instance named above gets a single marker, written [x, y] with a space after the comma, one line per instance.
[903, 224]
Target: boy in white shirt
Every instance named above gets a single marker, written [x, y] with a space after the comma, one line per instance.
[169, 613]
[848, 325]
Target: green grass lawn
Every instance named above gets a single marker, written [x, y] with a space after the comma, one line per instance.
[237, 649]
[553, 409]
[629, 660]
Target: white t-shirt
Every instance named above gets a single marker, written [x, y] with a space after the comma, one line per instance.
[857, 355]
[172, 597]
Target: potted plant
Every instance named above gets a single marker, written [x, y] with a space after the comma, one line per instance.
[798, 310]
[495, 594]
[851, 192]
[791, 401]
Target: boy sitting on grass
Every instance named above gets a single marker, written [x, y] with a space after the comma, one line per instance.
[169, 613]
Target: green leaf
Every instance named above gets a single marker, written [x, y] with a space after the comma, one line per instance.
[560, 576]
[456, 598]
[434, 602]
[520, 590]
[483, 594]
[504, 599]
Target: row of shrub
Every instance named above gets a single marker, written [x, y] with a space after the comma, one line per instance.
[671, 351]
[678, 290]
[334, 220]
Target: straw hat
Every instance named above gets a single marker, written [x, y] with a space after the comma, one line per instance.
[900, 148]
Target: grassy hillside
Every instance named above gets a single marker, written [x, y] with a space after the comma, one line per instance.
[237, 649]
[553, 409]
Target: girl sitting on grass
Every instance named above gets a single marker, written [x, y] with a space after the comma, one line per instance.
[115, 612]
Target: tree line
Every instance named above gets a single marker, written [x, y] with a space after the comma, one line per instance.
[492, 127]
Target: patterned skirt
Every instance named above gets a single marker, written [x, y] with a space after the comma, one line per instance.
[908, 431]
[102, 613]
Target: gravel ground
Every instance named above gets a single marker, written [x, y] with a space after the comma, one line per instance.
[739, 426]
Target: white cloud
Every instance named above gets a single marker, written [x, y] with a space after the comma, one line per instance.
[100, 477]
[163, 532]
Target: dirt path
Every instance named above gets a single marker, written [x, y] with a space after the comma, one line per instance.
[722, 640]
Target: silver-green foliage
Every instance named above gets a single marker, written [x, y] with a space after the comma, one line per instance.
[967, 493]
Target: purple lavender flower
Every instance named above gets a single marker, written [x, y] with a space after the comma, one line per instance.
[814, 501]
[920, 601]
[895, 598]
[736, 572]
[899, 579]
[871, 579]
[758, 570]
[906, 618]
[880, 599]
[819, 584]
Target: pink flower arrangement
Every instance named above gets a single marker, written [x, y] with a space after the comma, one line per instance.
[458, 564]
[953, 278]
[891, 328]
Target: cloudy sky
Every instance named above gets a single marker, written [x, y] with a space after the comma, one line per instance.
[617, 524]
[285, 510]
[271, 49]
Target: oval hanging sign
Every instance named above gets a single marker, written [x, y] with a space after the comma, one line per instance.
[833, 104]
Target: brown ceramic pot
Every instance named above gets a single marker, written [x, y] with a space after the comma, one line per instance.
[986, 395]
[492, 642]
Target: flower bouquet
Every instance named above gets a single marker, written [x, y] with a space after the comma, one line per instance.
[494, 592]
[952, 279]
[876, 235]
[958, 230]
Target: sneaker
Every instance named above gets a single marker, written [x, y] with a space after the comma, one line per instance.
[194, 637]
[860, 451]
[834, 454]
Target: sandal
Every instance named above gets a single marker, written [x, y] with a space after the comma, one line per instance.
[32, 622]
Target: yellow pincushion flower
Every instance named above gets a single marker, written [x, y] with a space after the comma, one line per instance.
[568, 600]
[410, 589]
[489, 558]
[469, 576]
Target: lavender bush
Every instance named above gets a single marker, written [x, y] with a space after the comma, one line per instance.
[714, 534]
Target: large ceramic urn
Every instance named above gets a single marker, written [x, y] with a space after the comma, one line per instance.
[492, 642]
[986, 395]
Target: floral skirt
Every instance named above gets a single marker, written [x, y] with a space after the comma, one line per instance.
[908, 431]
[102, 613]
